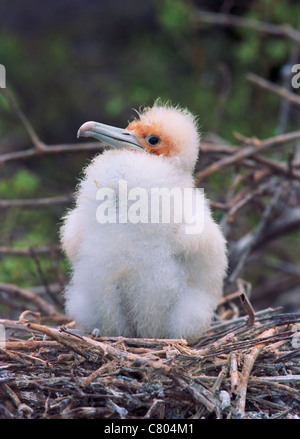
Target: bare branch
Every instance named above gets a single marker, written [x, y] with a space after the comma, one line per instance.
[21, 293]
[39, 145]
[256, 235]
[255, 148]
[5, 250]
[50, 294]
[245, 375]
[271, 166]
[280, 91]
[229, 20]
[253, 240]
[242, 286]
[36, 202]
[51, 149]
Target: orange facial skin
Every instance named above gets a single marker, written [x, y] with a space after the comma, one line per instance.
[141, 131]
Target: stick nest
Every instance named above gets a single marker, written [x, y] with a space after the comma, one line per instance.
[236, 371]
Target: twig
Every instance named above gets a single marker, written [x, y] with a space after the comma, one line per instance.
[234, 375]
[11, 394]
[30, 345]
[276, 385]
[276, 166]
[250, 244]
[36, 202]
[248, 151]
[106, 367]
[44, 280]
[279, 167]
[289, 222]
[28, 296]
[285, 267]
[241, 200]
[213, 347]
[280, 91]
[229, 297]
[158, 405]
[281, 379]
[242, 286]
[229, 20]
[247, 367]
[51, 149]
[147, 342]
[199, 393]
[217, 384]
[91, 349]
[39, 145]
[54, 256]
[82, 413]
[4, 250]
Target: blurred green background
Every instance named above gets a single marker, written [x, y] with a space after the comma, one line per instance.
[72, 61]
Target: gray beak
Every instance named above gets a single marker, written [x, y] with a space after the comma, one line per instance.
[117, 137]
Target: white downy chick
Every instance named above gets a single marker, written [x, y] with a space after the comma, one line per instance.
[143, 278]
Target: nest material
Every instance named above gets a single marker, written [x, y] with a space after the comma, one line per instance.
[235, 371]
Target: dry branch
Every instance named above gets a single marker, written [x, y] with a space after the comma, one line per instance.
[228, 20]
[4, 250]
[20, 293]
[256, 147]
[244, 288]
[254, 240]
[36, 202]
[56, 372]
[280, 91]
[51, 150]
[245, 374]
[38, 144]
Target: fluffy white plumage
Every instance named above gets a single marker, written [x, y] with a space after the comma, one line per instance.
[143, 280]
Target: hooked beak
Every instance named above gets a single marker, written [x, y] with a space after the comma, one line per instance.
[117, 137]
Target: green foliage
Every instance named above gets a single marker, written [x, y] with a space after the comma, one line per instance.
[25, 228]
[24, 271]
[115, 106]
[11, 50]
[174, 15]
[23, 184]
[19, 269]
[277, 50]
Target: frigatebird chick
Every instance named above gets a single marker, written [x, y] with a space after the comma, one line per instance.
[137, 272]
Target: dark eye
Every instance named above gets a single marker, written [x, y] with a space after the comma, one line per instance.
[152, 140]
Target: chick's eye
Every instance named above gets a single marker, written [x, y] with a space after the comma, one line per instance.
[153, 140]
